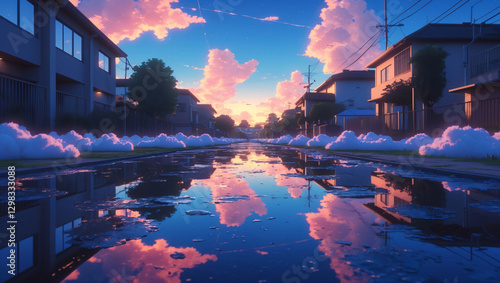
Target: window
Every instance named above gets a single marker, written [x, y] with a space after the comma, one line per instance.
[181, 107]
[402, 62]
[384, 74]
[103, 62]
[20, 13]
[68, 40]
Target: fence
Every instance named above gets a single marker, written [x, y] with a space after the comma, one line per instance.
[23, 102]
[483, 113]
[485, 61]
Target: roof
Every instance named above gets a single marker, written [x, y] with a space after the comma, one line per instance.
[347, 75]
[208, 106]
[358, 112]
[433, 33]
[82, 19]
[316, 96]
[183, 91]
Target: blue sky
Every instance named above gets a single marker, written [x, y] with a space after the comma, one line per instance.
[279, 48]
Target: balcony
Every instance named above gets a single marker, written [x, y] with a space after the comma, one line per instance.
[485, 62]
[24, 103]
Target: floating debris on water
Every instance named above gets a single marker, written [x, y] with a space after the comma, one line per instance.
[310, 177]
[344, 243]
[421, 212]
[356, 192]
[256, 220]
[198, 240]
[198, 212]
[488, 206]
[109, 231]
[178, 255]
[95, 205]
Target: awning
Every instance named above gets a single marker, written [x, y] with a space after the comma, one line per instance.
[462, 89]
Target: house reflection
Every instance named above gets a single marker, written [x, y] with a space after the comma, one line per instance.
[42, 249]
[402, 191]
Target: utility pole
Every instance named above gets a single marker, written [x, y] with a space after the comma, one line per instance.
[386, 26]
[309, 74]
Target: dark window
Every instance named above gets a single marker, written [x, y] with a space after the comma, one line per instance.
[59, 34]
[103, 62]
[384, 74]
[402, 62]
[181, 107]
[68, 40]
[27, 16]
[20, 13]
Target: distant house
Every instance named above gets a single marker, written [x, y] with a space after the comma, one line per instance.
[393, 64]
[305, 104]
[64, 65]
[482, 89]
[186, 119]
[206, 117]
[353, 90]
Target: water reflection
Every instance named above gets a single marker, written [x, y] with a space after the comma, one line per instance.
[267, 215]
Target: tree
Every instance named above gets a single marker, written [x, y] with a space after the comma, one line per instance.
[153, 87]
[324, 111]
[224, 123]
[244, 124]
[429, 74]
[399, 93]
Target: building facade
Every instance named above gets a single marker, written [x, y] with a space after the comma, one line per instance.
[206, 117]
[53, 61]
[186, 120]
[457, 40]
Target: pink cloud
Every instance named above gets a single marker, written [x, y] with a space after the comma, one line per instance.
[271, 18]
[124, 19]
[287, 91]
[346, 25]
[222, 73]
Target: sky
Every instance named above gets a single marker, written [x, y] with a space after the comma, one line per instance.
[249, 58]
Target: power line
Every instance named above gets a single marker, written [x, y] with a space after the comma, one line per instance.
[365, 51]
[203, 24]
[405, 11]
[361, 47]
[446, 10]
[487, 14]
[415, 11]
[492, 17]
[453, 11]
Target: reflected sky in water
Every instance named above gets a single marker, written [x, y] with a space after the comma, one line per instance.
[369, 222]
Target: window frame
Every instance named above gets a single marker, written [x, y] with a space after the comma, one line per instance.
[18, 18]
[62, 41]
[386, 72]
[399, 66]
[107, 69]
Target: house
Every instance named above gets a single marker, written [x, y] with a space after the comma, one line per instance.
[482, 90]
[62, 65]
[305, 104]
[186, 119]
[393, 64]
[353, 90]
[206, 117]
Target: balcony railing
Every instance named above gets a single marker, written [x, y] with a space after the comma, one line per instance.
[485, 61]
[67, 103]
[23, 102]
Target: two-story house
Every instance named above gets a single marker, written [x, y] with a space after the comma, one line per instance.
[53, 60]
[394, 63]
[206, 117]
[185, 120]
[353, 90]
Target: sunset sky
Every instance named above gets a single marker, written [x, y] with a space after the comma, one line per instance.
[247, 59]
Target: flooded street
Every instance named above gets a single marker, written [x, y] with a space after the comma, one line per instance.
[255, 213]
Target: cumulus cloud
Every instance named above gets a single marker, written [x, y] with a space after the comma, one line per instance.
[346, 25]
[125, 19]
[222, 73]
[286, 91]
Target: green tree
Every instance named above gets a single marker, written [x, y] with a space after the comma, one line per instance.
[399, 93]
[153, 87]
[244, 124]
[429, 74]
[324, 111]
[224, 123]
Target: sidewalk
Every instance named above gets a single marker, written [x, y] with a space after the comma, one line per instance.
[448, 166]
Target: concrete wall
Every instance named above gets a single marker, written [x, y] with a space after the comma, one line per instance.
[357, 90]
